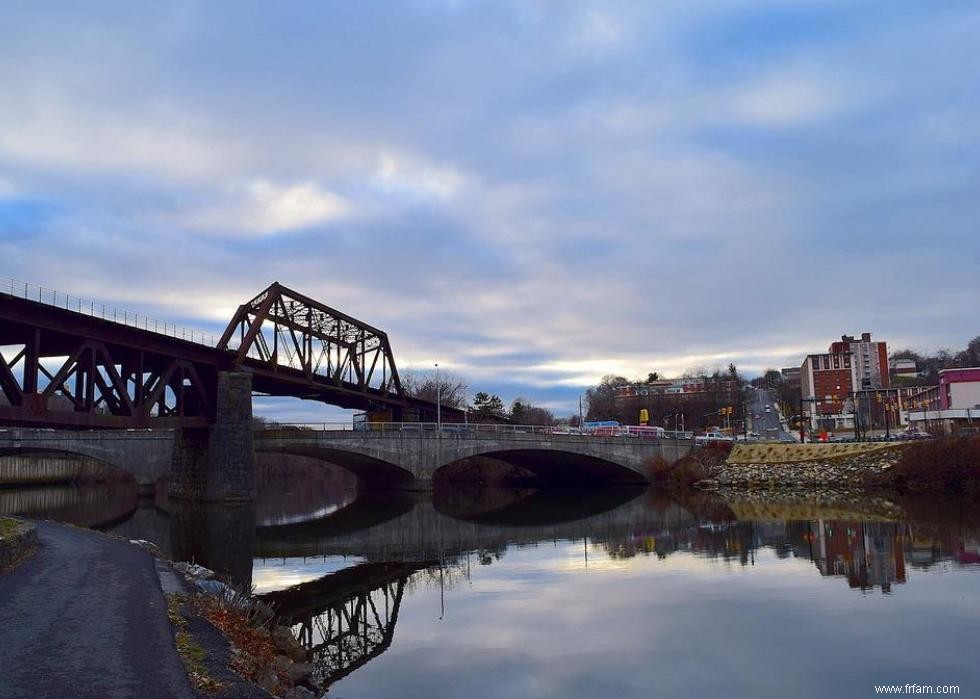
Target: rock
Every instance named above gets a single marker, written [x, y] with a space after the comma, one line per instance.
[214, 587]
[146, 546]
[286, 643]
[281, 664]
[269, 681]
[300, 673]
[707, 484]
[299, 693]
[194, 570]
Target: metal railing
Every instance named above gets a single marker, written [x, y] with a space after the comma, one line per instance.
[77, 304]
[281, 429]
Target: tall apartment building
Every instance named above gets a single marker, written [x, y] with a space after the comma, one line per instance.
[829, 379]
[870, 360]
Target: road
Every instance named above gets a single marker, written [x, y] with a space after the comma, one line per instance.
[85, 617]
[767, 423]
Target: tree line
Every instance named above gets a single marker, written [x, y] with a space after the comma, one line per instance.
[671, 410]
[929, 365]
[452, 391]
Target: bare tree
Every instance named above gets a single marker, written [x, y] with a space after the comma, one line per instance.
[449, 388]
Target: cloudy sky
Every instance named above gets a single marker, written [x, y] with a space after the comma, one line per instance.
[533, 194]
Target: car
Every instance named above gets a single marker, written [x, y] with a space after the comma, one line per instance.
[757, 417]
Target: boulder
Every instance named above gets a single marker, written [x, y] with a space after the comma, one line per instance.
[300, 673]
[286, 643]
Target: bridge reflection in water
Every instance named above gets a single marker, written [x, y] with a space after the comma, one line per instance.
[347, 618]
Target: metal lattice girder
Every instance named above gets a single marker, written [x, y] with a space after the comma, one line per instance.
[281, 329]
[72, 367]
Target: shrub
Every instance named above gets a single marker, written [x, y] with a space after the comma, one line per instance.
[948, 463]
[685, 472]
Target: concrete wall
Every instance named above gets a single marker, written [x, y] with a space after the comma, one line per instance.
[964, 395]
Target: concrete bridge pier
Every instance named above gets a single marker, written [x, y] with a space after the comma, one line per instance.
[217, 463]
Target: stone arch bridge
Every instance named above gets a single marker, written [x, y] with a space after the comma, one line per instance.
[409, 456]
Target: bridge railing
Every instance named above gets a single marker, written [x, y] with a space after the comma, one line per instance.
[297, 429]
[60, 299]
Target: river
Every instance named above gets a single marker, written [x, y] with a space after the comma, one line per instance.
[614, 593]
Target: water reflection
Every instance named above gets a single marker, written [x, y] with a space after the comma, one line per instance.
[410, 588]
[219, 537]
[97, 505]
[347, 618]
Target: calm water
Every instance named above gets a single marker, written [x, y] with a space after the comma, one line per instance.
[616, 593]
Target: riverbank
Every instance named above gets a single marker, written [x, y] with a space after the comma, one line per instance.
[805, 465]
[950, 464]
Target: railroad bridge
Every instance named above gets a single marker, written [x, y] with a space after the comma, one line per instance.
[169, 401]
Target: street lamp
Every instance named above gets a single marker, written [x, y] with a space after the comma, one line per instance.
[438, 401]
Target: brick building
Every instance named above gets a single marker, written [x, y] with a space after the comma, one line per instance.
[828, 381]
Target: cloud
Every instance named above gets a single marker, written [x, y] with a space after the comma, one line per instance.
[534, 194]
[262, 207]
[783, 100]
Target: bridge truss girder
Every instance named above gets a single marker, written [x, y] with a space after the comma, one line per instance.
[287, 334]
[51, 375]
[351, 632]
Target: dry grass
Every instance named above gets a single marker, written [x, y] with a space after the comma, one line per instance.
[8, 527]
[798, 453]
[256, 649]
[950, 463]
[190, 652]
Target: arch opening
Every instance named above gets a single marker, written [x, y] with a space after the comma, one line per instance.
[548, 468]
[27, 466]
[372, 473]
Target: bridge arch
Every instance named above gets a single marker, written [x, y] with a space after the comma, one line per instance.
[370, 469]
[147, 461]
[556, 466]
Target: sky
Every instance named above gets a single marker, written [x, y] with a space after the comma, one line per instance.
[531, 194]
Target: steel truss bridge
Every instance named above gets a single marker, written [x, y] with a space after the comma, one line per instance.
[67, 362]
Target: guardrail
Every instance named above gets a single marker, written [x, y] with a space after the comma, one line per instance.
[452, 428]
[77, 304]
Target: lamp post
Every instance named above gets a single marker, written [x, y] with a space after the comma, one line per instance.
[438, 401]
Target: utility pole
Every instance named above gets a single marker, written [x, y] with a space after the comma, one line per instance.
[802, 431]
